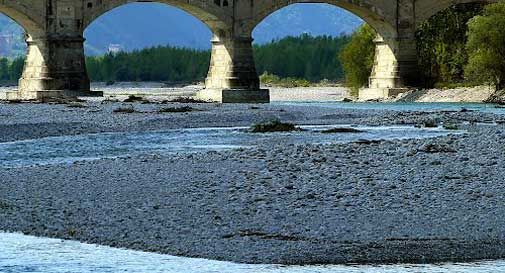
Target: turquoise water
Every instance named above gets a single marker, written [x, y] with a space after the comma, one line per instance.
[21, 253]
[406, 106]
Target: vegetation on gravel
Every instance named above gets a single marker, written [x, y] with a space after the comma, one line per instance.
[273, 126]
[342, 130]
[183, 109]
[124, 110]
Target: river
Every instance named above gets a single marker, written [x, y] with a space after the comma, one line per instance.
[21, 253]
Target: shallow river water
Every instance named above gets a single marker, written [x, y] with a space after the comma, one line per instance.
[68, 149]
[21, 253]
[406, 106]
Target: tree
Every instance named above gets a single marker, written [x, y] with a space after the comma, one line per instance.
[486, 47]
[16, 68]
[441, 44]
[4, 69]
[358, 57]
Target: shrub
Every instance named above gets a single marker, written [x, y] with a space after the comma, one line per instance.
[342, 130]
[358, 58]
[486, 44]
[124, 110]
[183, 109]
[441, 45]
[273, 126]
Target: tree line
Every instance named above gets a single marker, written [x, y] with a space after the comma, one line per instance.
[305, 57]
[11, 69]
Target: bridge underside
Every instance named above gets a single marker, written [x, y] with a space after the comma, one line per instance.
[55, 65]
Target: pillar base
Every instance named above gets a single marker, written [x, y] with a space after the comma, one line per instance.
[235, 95]
[50, 94]
[368, 94]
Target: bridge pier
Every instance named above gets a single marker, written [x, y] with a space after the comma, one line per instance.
[232, 74]
[55, 68]
[395, 69]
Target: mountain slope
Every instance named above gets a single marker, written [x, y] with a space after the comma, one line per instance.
[140, 25]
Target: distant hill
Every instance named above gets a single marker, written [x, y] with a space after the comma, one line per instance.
[140, 25]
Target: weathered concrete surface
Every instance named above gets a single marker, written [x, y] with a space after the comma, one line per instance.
[56, 67]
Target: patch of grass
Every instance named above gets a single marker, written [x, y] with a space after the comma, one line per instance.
[454, 85]
[124, 110]
[342, 130]
[273, 126]
[133, 98]
[183, 109]
[274, 80]
[185, 100]
[428, 123]
[451, 126]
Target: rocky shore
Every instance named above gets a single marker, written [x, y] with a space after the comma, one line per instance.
[425, 200]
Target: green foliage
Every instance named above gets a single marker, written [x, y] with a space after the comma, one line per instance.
[11, 70]
[274, 80]
[170, 64]
[183, 109]
[486, 47]
[441, 43]
[302, 57]
[293, 62]
[296, 61]
[342, 130]
[358, 57]
[273, 126]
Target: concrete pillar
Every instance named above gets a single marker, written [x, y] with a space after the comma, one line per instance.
[385, 80]
[232, 74]
[55, 68]
[396, 66]
[385, 72]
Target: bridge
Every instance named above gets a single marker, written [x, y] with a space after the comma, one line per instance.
[55, 64]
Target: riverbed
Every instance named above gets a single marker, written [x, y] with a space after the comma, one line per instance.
[265, 200]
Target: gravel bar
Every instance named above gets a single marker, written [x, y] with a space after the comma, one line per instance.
[426, 200]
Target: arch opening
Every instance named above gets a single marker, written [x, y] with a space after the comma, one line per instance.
[303, 41]
[370, 16]
[213, 15]
[176, 47]
[12, 50]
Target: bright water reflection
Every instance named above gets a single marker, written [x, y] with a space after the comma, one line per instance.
[20, 253]
[67, 149]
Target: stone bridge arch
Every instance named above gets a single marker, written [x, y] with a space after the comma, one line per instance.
[216, 14]
[30, 16]
[379, 17]
[425, 9]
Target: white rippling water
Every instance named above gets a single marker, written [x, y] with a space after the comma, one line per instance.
[21, 253]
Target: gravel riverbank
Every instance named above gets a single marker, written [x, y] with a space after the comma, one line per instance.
[391, 201]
